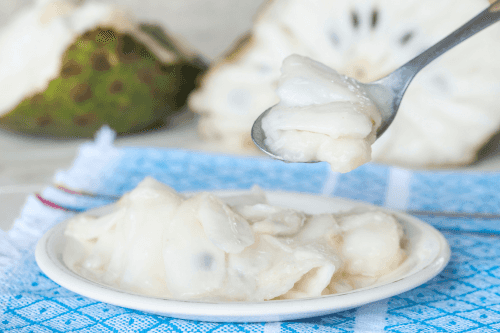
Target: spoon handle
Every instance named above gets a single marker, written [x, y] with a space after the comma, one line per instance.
[401, 78]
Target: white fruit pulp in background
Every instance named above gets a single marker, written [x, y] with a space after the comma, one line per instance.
[159, 243]
[321, 116]
[32, 45]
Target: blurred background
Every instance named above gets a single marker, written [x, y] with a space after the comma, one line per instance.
[27, 163]
[208, 26]
[60, 61]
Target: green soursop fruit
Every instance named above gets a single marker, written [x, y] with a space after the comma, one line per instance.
[108, 75]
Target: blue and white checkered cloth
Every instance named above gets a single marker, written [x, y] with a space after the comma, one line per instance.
[465, 297]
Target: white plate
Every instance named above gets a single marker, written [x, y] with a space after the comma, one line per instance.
[427, 249]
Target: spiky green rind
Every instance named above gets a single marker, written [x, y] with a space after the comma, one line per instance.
[105, 78]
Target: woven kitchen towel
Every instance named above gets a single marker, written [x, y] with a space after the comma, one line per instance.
[465, 297]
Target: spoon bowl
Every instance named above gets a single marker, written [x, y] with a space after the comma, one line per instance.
[259, 137]
[388, 92]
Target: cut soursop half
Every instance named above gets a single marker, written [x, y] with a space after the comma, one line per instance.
[68, 68]
[449, 112]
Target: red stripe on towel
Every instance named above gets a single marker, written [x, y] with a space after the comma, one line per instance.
[49, 203]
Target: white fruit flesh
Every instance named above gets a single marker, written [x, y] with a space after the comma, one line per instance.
[162, 244]
[321, 116]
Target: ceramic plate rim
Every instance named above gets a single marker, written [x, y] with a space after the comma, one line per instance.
[55, 269]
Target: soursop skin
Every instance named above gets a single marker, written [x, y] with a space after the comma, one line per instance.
[106, 78]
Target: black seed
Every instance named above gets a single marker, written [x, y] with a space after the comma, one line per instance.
[116, 87]
[355, 19]
[100, 62]
[334, 38]
[374, 18]
[406, 38]
[205, 262]
[71, 68]
[81, 93]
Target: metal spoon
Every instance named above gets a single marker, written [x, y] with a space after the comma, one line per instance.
[388, 92]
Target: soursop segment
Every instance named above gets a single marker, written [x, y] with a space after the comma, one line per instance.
[128, 77]
[456, 94]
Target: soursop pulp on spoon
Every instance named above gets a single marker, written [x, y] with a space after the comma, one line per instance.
[320, 115]
[365, 40]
